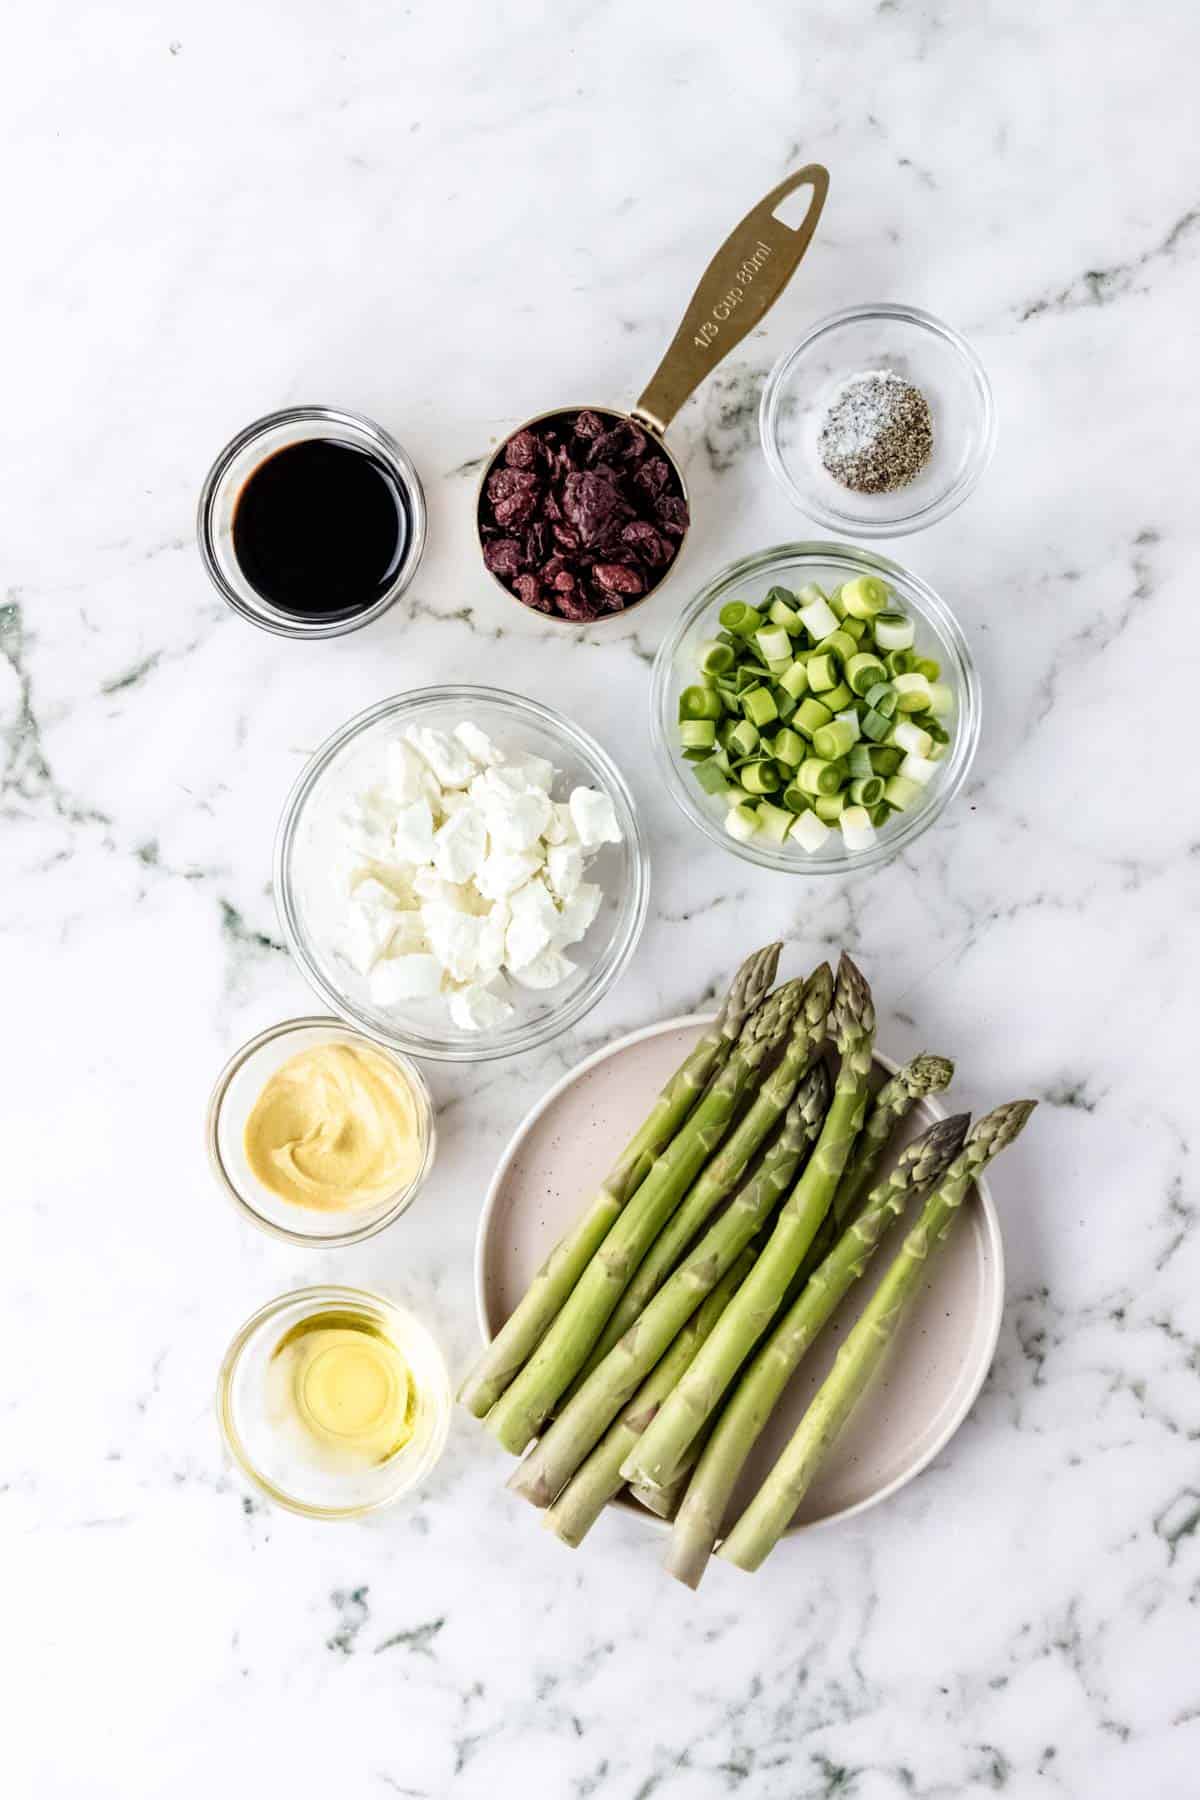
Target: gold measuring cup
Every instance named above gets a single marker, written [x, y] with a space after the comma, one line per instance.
[739, 286]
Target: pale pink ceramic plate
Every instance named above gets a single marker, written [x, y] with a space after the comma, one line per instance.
[562, 1150]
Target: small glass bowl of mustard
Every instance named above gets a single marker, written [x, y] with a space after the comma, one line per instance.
[334, 1402]
[318, 1134]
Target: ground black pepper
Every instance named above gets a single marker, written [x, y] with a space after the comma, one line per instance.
[877, 435]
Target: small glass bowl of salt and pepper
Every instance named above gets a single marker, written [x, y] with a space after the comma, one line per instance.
[878, 422]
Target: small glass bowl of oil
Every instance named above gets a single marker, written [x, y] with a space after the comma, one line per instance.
[334, 1402]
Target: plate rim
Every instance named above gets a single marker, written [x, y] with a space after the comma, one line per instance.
[994, 1304]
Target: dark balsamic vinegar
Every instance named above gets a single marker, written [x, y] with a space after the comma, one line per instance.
[320, 529]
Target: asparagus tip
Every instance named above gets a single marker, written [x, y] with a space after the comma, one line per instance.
[927, 1074]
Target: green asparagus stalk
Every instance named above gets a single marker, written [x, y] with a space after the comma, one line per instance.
[598, 1478]
[698, 1519]
[717, 1180]
[656, 1457]
[520, 1335]
[662, 1502]
[584, 1420]
[774, 1506]
[518, 1414]
[924, 1075]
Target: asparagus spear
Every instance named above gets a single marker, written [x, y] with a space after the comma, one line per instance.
[698, 1520]
[662, 1502]
[583, 1421]
[656, 1457]
[710, 1188]
[520, 1411]
[515, 1342]
[774, 1506]
[925, 1074]
[598, 1478]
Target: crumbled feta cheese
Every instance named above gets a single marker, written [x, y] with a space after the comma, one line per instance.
[561, 829]
[368, 828]
[365, 935]
[448, 760]
[459, 846]
[408, 775]
[533, 925]
[536, 770]
[577, 913]
[516, 813]
[372, 892]
[476, 1008]
[453, 938]
[412, 834]
[594, 817]
[478, 745]
[564, 869]
[492, 932]
[545, 970]
[500, 874]
[415, 977]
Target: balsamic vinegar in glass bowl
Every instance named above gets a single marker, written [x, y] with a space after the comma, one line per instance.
[320, 529]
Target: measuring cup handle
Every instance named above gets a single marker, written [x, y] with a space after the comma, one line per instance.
[743, 280]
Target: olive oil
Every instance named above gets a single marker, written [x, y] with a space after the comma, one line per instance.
[340, 1380]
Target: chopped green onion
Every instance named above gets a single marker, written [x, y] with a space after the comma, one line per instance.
[885, 758]
[809, 831]
[836, 698]
[774, 644]
[714, 657]
[817, 775]
[912, 693]
[834, 740]
[941, 698]
[810, 716]
[839, 643]
[927, 667]
[700, 703]
[741, 619]
[859, 762]
[874, 725]
[867, 790]
[781, 610]
[743, 739]
[758, 704]
[697, 734]
[819, 619]
[858, 833]
[884, 698]
[864, 672]
[880, 814]
[937, 732]
[893, 631]
[794, 680]
[864, 597]
[829, 807]
[741, 822]
[822, 672]
[785, 704]
[773, 823]
[908, 736]
[918, 768]
[795, 798]
[901, 792]
[789, 747]
[711, 777]
[759, 777]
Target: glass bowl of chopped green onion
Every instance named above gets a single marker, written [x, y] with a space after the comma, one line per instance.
[878, 422]
[815, 708]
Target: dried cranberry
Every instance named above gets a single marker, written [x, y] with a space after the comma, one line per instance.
[615, 578]
[578, 608]
[592, 504]
[652, 476]
[528, 590]
[650, 547]
[566, 537]
[672, 514]
[521, 450]
[503, 484]
[588, 424]
[503, 556]
[518, 511]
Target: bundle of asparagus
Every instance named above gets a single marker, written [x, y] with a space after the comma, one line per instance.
[656, 1340]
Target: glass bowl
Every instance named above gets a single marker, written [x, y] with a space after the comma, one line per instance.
[237, 1088]
[276, 1459]
[309, 840]
[830, 565]
[238, 461]
[923, 351]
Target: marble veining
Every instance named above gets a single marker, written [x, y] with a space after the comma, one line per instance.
[451, 218]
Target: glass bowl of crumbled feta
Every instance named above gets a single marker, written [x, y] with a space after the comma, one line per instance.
[460, 873]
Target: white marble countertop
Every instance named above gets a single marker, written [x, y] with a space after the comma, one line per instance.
[449, 218]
